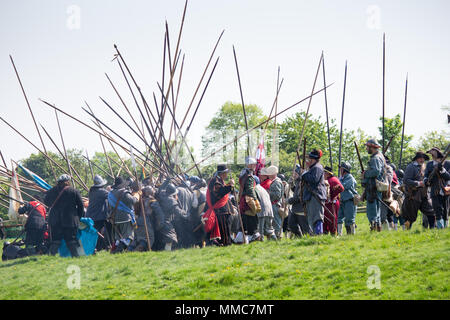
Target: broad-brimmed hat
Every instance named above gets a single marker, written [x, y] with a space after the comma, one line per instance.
[221, 168]
[439, 152]
[272, 170]
[328, 170]
[315, 154]
[263, 172]
[420, 154]
[373, 143]
[99, 182]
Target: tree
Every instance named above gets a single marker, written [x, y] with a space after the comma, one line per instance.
[393, 128]
[434, 139]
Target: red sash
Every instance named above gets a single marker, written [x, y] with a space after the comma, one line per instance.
[212, 225]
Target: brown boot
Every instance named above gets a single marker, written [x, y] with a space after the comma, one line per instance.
[378, 227]
[372, 226]
[407, 225]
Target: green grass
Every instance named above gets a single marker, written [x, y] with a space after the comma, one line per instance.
[414, 265]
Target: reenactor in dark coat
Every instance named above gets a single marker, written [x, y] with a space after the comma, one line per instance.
[97, 210]
[416, 194]
[248, 198]
[315, 192]
[437, 181]
[35, 226]
[66, 209]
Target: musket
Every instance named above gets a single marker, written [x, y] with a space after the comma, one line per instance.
[32, 115]
[389, 143]
[326, 112]
[242, 101]
[342, 115]
[98, 167]
[403, 124]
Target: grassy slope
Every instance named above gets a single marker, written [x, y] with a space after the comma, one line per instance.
[413, 264]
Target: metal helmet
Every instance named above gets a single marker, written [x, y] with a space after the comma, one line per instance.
[346, 166]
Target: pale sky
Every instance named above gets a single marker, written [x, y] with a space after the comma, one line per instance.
[66, 65]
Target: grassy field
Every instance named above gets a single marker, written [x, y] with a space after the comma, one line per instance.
[413, 265]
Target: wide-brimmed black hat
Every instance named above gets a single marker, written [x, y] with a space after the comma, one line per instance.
[221, 168]
[420, 154]
[329, 170]
[119, 182]
[438, 151]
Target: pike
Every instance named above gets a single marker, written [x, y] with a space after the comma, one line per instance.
[342, 117]
[38, 149]
[64, 148]
[326, 112]
[90, 166]
[307, 110]
[201, 79]
[32, 115]
[140, 199]
[106, 156]
[403, 124]
[3, 159]
[134, 131]
[98, 167]
[257, 126]
[79, 181]
[242, 101]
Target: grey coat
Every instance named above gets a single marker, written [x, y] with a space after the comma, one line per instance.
[127, 199]
[264, 200]
[98, 204]
[276, 191]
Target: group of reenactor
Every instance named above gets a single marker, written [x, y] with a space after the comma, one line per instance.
[185, 211]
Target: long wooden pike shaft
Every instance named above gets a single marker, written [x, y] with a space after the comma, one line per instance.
[255, 127]
[326, 112]
[98, 167]
[309, 105]
[106, 157]
[3, 159]
[403, 125]
[37, 148]
[342, 116]
[359, 156]
[64, 156]
[242, 101]
[384, 82]
[32, 115]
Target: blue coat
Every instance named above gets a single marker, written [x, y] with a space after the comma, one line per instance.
[376, 167]
[314, 179]
[349, 184]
